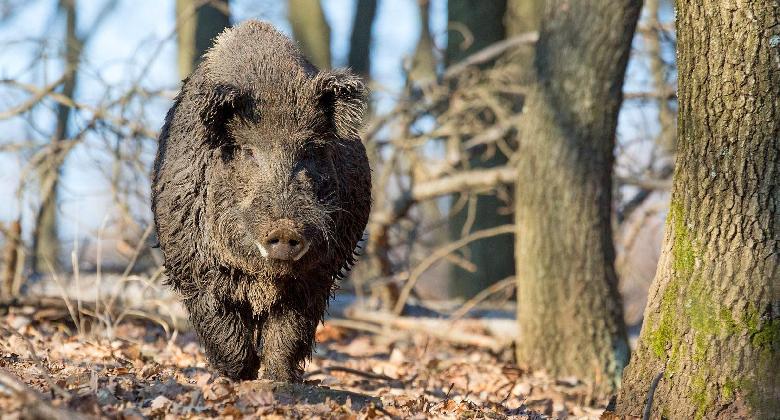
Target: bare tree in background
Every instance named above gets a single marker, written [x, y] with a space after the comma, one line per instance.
[569, 310]
[360, 42]
[311, 30]
[422, 68]
[195, 34]
[474, 25]
[45, 238]
[653, 36]
[46, 247]
[712, 326]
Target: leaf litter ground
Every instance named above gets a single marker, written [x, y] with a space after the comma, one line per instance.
[146, 372]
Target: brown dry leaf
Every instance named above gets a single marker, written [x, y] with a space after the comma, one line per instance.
[160, 405]
[218, 390]
[131, 352]
[202, 378]
[544, 406]
[257, 398]
[329, 332]
[512, 372]
[230, 411]
[149, 370]
[85, 403]
[119, 371]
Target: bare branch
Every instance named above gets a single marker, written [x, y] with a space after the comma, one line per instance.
[441, 253]
[38, 95]
[491, 52]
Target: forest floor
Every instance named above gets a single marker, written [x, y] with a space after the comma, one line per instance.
[49, 370]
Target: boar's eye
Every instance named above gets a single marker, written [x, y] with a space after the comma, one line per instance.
[249, 154]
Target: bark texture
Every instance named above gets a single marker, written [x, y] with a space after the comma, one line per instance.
[474, 25]
[569, 309]
[712, 323]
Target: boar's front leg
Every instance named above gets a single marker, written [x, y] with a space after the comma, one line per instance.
[288, 339]
[226, 336]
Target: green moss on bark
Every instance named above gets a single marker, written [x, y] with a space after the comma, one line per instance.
[688, 305]
[767, 339]
[663, 334]
[683, 253]
[683, 261]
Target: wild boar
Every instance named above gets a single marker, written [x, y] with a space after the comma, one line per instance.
[261, 192]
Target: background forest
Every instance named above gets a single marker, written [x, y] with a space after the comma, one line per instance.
[523, 154]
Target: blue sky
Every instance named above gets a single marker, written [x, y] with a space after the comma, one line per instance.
[140, 32]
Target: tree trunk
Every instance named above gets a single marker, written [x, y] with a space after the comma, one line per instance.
[474, 25]
[360, 42]
[423, 65]
[197, 30]
[13, 238]
[46, 244]
[666, 138]
[311, 30]
[569, 309]
[712, 323]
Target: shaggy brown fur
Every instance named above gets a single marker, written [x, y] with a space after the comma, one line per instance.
[257, 140]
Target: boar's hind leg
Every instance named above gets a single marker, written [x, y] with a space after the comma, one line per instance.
[288, 339]
[226, 336]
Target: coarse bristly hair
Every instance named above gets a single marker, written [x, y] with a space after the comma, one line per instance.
[259, 138]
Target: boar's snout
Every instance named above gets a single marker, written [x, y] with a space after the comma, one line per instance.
[284, 243]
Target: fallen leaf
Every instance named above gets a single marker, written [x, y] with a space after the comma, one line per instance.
[217, 390]
[160, 405]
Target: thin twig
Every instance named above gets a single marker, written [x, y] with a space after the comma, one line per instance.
[440, 253]
[441, 329]
[481, 296]
[369, 375]
[650, 394]
[491, 52]
[37, 96]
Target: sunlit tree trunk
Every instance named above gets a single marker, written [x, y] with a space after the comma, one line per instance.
[474, 25]
[311, 30]
[422, 68]
[569, 310]
[666, 135]
[712, 323]
[197, 29]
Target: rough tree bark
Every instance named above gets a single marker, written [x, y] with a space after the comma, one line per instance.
[311, 30]
[569, 309]
[474, 25]
[197, 29]
[360, 42]
[712, 323]
[46, 244]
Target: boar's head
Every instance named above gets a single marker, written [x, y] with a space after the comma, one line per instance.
[288, 179]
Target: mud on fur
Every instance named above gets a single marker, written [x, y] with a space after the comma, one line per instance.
[261, 191]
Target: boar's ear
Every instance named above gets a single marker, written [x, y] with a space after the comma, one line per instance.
[342, 95]
[217, 104]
